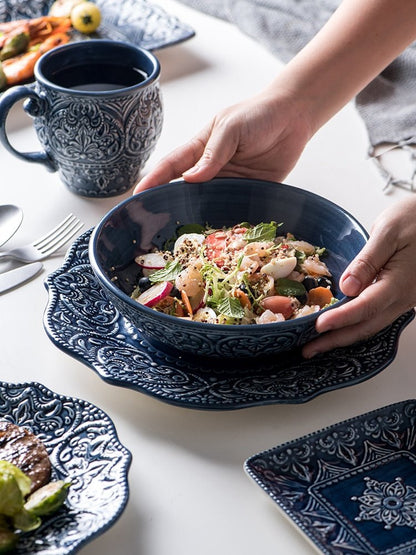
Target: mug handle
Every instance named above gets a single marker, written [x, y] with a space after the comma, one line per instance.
[7, 101]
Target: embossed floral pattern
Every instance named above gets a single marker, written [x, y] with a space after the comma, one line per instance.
[353, 494]
[391, 503]
[83, 447]
[341, 442]
[83, 322]
[98, 147]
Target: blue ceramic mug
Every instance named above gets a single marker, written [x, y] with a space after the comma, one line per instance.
[97, 113]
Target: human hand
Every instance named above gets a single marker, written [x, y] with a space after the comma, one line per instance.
[381, 278]
[261, 138]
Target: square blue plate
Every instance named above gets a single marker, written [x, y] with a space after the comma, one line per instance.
[351, 488]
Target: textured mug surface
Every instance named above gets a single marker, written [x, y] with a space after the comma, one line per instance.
[98, 140]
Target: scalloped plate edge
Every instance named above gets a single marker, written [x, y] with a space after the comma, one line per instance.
[101, 371]
[127, 456]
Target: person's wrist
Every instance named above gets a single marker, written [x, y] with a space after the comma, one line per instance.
[297, 108]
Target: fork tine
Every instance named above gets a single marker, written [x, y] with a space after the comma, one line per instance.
[63, 232]
[62, 239]
[53, 232]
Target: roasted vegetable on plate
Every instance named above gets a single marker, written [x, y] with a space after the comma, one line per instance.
[23, 41]
[27, 493]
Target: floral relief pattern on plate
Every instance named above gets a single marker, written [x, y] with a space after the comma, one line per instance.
[351, 488]
[81, 321]
[83, 448]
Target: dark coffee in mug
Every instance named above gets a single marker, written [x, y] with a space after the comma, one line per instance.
[98, 77]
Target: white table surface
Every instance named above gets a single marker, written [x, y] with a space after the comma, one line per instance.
[188, 490]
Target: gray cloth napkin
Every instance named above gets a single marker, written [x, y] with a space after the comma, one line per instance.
[387, 105]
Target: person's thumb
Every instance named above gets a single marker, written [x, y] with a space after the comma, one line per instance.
[365, 267]
[219, 150]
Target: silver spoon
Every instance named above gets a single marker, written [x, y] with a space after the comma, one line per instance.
[11, 217]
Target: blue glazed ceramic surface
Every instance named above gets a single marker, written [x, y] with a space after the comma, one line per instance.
[151, 218]
[83, 447]
[81, 321]
[137, 21]
[351, 488]
[98, 141]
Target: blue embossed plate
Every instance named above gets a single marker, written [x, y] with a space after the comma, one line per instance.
[81, 321]
[351, 488]
[83, 447]
[137, 21]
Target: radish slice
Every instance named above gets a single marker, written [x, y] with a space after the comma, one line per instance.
[154, 294]
[151, 261]
[188, 243]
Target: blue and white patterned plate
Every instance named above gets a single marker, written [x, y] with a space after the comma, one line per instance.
[351, 488]
[81, 321]
[137, 21]
[83, 447]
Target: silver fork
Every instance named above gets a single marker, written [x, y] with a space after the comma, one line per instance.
[46, 245]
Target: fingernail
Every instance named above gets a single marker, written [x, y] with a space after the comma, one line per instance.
[311, 354]
[322, 328]
[192, 170]
[351, 285]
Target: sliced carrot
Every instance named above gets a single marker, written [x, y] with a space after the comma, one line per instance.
[186, 302]
[171, 305]
[319, 296]
[243, 298]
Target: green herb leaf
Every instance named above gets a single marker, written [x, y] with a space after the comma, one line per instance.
[230, 306]
[190, 228]
[289, 287]
[168, 273]
[301, 256]
[262, 232]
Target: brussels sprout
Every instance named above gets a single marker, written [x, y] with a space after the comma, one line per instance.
[14, 486]
[26, 521]
[47, 499]
[14, 46]
[3, 78]
[8, 540]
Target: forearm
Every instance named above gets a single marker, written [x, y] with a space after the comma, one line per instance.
[356, 44]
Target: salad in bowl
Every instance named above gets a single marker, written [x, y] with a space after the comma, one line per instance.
[229, 268]
[244, 274]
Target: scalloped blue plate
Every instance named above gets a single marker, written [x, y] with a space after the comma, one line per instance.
[137, 21]
[83, 447]
[350, 488]
[81, 321]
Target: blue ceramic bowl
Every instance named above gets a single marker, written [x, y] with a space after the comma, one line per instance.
[152, 217]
